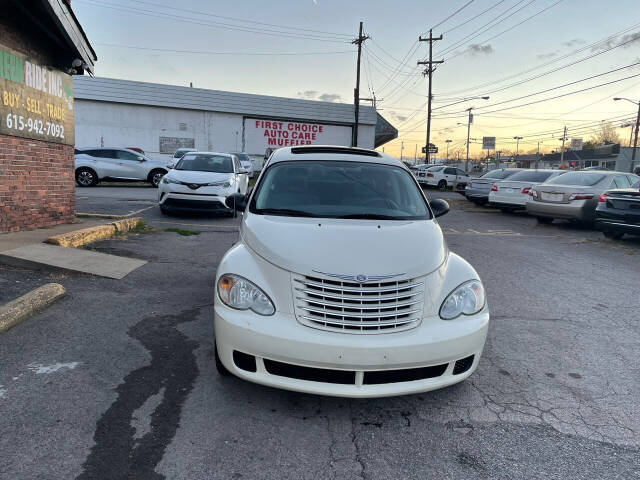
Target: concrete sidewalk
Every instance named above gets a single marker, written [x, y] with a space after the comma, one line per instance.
[27, 249]
[9, 241]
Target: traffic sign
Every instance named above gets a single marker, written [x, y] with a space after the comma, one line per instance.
[488, 143]
[432, 149]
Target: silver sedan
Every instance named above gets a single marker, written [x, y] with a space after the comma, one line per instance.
[574, 195]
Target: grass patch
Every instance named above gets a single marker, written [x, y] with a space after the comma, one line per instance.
[183, 231]
[141, 227]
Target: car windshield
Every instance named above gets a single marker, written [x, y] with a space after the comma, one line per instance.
[435, 169]
[530, 176]
[205, 163]
[583, 179]
[335, 189]
[498, 174]
[636, 185]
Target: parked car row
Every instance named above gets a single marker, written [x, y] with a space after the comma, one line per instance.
[608, 200]
[95, 164]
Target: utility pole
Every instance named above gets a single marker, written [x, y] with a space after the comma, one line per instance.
[498, 158]
[415, 155]
[401, 149]
[635, 141]
[356, 93]
[429, 72]
[373, 100]
[469, 122]
[448, 142]
[564, 137]
[538, 155]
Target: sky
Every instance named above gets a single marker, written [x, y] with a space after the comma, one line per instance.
[544, 64]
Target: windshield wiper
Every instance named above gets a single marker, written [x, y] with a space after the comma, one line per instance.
[288, 212]
[368, 216]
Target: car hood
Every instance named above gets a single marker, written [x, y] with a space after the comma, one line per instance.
[189, 176]
[347, 247]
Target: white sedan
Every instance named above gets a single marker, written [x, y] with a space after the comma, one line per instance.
[443, 177]
[202, 181]
[323, 292]
[514, 192]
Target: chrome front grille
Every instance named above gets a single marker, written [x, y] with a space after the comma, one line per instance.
[348, 307]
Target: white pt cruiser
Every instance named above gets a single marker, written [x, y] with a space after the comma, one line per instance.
[323, 292]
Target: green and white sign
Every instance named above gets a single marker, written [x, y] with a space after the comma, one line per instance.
[35, 101]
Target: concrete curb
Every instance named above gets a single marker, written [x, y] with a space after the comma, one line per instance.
[29, 304]
[83, 236]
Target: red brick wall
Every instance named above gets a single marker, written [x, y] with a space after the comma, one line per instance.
[37, 186]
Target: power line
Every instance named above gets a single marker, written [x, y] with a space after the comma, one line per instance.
[207, 52]
[170, 7]
[180, 18]
[513, 26]
[474, 17]
[453, 14]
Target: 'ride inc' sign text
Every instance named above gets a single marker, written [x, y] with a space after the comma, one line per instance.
[35, 101]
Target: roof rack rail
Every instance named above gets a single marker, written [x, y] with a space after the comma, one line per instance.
[343, 150]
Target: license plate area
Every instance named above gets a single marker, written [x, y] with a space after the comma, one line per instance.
[551, 197]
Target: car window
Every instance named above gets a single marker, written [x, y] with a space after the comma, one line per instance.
[435, 169]
[335, 189]
[104, 153]
[530, 176]
[632, 179]
[450, 171]
[585, 179]
[498, 174]
[202, 162]
[237, 163]
[461, 172]
[124, 155]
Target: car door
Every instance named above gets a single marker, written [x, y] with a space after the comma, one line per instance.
[463, 177]
[449, 174]
[129, 166]
[241, 178]
[104, 160]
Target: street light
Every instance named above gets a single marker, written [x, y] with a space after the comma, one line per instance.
[635, 141]
[448, 142]
[517, 139]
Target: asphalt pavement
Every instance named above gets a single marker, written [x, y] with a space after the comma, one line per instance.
[117, 380]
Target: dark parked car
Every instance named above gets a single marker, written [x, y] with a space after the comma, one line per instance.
[478, 188]
[618, 212]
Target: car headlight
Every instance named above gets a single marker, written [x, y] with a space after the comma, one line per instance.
[466, 299]
[166, 179]
[225, 184]
[239, 293]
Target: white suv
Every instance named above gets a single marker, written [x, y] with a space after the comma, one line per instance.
[323, 292]
[95, 164]
[443, 177]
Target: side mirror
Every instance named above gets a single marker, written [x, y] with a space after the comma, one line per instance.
[171, 166]
[141, 159]
[439, 207]
[236, 201]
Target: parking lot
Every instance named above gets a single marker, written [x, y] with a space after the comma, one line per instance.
[118, 380]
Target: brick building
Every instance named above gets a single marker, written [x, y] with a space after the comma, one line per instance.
[41, 46]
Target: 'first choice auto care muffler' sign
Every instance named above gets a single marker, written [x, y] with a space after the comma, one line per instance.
[35, 101]
[261, 134]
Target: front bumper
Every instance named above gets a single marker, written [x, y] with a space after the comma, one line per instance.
[396, 357]
[193, 202]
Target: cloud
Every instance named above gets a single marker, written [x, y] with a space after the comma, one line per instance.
[574, 42]
[477, 49]
[329, 97]
[401, 118]
[546, 56]
[323, 97]
[629, 40]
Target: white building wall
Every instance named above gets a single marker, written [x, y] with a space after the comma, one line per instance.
[130, 125]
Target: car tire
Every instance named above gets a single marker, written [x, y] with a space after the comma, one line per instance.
[613, 234]
[155, 176]
[164, 210]
[222, 370]
[86, 177]
[506, 210]
[442, 184]
[545, 220]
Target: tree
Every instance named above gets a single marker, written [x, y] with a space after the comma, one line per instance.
[605, 135]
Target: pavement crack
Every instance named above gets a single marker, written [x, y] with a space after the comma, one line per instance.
[118, 453]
